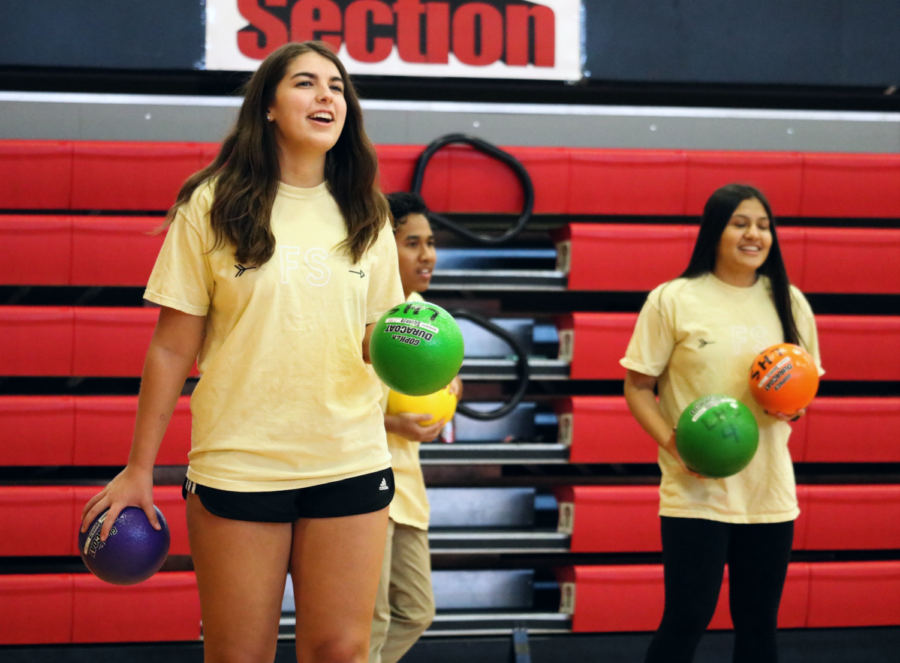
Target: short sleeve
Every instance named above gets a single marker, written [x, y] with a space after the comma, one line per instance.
[806, 326]
[653, 339]
[182, 278]
[385, 288]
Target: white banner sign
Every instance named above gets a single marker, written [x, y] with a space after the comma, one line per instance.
[486, 39]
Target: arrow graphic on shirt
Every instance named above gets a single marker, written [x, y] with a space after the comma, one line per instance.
[360, 272]
[241, 269]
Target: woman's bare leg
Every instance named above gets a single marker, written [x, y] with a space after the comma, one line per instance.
[241, 569]
[335, 566]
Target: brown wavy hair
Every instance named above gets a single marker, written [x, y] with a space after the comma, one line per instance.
[246, 172]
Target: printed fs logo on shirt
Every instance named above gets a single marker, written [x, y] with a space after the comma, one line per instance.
[461, 38]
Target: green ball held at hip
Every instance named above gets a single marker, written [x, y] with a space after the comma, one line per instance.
[717, 436]
[416, 348]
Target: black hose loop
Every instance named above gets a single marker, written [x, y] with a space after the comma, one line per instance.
[521, 368]
[496, 153]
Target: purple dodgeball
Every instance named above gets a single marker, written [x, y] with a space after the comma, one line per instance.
[132, 552]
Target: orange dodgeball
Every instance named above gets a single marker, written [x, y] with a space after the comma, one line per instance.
[784, 379]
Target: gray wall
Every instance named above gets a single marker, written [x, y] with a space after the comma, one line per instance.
[206, 119]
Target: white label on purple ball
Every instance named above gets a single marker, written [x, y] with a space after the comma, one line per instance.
[93, 543]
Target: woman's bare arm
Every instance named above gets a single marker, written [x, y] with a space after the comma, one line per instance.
[365, 344]
[173, 349]
[645, 409]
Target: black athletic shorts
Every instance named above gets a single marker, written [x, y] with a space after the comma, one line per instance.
[348, 497]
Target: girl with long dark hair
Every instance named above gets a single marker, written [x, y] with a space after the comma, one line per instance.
[279, 257]
[696, 336]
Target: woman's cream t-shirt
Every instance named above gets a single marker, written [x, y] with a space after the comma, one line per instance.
[285, 399]
[699, 336]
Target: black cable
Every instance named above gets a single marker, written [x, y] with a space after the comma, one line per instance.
[495, 153]
[521, 368]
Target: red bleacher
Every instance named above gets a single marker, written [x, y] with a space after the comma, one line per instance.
[78, 250]
[96, 251]
[816, 595]
[58, 510]
[75, 341]
[95, 175]
[93, 249]
[600, 519]
[96, 430]
[608, 519]
[85, 431]
[112, 342]
[848, 517]
[64, 608]
[848, 430]
[108, 175]
[35, 250]
[600, 429]
[852, 347]
[79, 608]
[620, 257]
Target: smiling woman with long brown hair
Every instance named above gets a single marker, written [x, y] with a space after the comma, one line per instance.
[278, 258]
[697, 335]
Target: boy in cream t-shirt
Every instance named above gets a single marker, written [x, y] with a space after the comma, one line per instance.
[404, 607]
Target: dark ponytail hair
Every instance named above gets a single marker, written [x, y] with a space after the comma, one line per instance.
[246, 172]
[716, 215]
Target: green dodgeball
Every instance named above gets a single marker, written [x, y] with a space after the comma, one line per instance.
[717, 436]
[416, 348]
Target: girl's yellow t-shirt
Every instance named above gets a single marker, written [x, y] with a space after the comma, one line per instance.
[285, 399]
[699, 336]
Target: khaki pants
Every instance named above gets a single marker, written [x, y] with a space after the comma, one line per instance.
[404, 607]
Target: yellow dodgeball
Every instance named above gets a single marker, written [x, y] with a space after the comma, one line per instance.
[441, 405]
